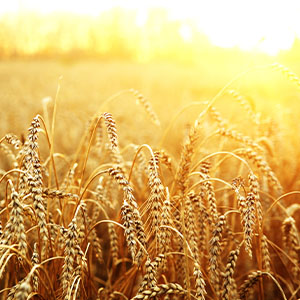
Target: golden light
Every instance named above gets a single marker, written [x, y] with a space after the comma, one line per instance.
[185, 32]
[256, 26]
[267, 26]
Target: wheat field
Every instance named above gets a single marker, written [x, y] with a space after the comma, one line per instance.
[123, 181]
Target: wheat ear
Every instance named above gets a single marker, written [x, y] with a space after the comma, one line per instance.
[228, 276]
[35, 259]
[291, 242]
[156, 196]
[147, 105]
[214, 252]
[252, 279]
[161, 289]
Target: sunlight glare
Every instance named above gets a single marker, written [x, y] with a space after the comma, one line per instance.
[263, 26]
[185, 32]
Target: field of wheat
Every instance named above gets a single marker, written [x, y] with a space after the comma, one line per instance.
[148, 183]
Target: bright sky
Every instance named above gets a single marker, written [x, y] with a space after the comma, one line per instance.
[260, 25]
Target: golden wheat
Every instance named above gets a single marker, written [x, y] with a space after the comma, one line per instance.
[128, 221]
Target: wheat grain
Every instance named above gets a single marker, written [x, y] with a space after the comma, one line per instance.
[156, 196]
[228, 276]
[15, 230]
[209, 191]
[149, 281]
[202, 217]
[34, 177]
[199, 283]
[166, 160]
[23, 290]
[159, 264]
[70, 176]
[266, 259]
[142, 168]
[186, 157]
[291, 242]
[190, 226]
[216, 115]
[113, 239]
[254, 189]
[214, 252]
[99, 137]
[10, 155]
[249, 222]
[166, 220]
[240, 138]
[245, 104]
[130, 228]
[212, 202]
[147, 105]
[13, 140]
[96, 244]
[161, 289]
[69, 255]
[286, 72]
[111, 129]
[263, 166]
[130, 215]
[35, 259]
[249, 283]
[179, 247]
[50, 193]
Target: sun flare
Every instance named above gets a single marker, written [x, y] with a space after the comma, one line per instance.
[256, 26]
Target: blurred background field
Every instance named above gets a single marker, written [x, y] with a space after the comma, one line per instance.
[156, 49]
[84, 85]
[172, 54]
